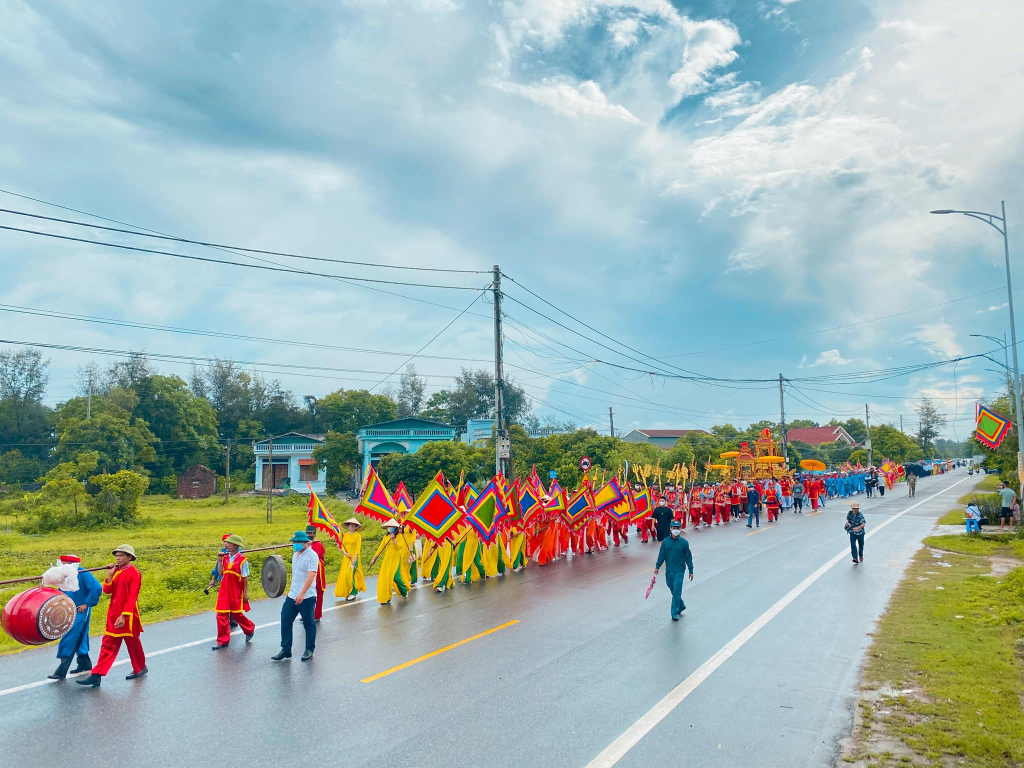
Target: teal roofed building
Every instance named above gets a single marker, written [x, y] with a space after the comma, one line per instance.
[399, 436]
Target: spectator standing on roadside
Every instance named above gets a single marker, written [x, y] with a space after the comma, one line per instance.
[1006, 496]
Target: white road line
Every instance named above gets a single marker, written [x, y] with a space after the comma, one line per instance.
[618, 748]
[183, 646]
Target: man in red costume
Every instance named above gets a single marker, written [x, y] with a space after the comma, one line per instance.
[696, 506]
[737, 498]
[321, 574]
[771, 502]
[123, 583]
[722, 503]
[707, 501]
[233, 595]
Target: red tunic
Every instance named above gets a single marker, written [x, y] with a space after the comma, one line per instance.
[123, 588]
[229, 596]
[321, 575]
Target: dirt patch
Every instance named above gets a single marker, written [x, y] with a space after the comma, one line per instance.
[871, 745]
[1003, 565]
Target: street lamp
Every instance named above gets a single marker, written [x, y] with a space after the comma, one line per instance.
[1006, 364]
[991, 219]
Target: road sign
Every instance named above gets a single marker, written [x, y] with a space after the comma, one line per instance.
[585, 463]
[552, 475]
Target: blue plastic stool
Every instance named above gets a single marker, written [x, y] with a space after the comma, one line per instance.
[972, 525]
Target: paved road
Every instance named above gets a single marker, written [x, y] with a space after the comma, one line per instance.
[761, 671]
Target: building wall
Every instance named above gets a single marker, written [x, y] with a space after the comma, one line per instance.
[294, 472]
[197, 482]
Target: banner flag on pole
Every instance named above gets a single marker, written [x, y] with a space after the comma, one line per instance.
[321, 517]
[375, 501]
[434, 514]
[990, 427]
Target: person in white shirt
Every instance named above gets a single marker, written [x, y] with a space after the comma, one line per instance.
[973, 517]
[301, 599]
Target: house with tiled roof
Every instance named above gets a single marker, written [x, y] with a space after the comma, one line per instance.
[663, 438]
[819, 435]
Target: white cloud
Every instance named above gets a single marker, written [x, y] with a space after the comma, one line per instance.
[547, 20]
[624, 32]
[710, 45]
[830, 357]
[580, 101]
[736, 98]
[939, 339]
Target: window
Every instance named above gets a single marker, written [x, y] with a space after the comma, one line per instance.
[309, 473]
[195, 483]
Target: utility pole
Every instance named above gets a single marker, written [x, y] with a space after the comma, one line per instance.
[227, 473]
[867, 440]
[901, 423]
[782, 422]
[270, 491]
[499, 426]
[88, 400]
[611, 422]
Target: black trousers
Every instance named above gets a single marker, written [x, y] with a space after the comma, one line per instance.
[289, 611]
[798, 503]
[857, 545]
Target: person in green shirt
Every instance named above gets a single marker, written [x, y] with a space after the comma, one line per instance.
[1006, 497]
[676, 557]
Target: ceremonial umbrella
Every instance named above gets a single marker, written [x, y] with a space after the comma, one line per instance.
[770, 460]
[729, 455]
[813, 464]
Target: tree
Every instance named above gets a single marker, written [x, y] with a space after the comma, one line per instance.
[473, 398]
[411, 391]
[454, 459]
[339, 455]
[800, 424]
[237, 396]
[184, 425]
[117, 503]
[929, 421]
[66, 482]
[348, 410]
[122, 443]
[23, 380]
[17, 468]
[890, 443]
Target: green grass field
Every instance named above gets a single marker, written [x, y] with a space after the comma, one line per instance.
[947, 654]
[177, 545]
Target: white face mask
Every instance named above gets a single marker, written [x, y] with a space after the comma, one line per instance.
[675, 532]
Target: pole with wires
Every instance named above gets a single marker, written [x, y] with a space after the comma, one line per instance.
[867, 425]
[500, 443]
[611, 422]
[782, 422]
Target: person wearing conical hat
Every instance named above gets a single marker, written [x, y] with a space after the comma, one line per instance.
[233, 595]
[123, 584]
[392, 552]
[350, 578]
[469, 557]
[437, 564]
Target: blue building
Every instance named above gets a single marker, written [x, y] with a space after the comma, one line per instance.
[399, 436]
[478, 430]
[293, 464]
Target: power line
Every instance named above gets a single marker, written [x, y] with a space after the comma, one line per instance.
[231, 247]
[209, 260]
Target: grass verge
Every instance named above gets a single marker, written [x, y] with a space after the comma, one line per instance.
[944, 678]
[177, 544]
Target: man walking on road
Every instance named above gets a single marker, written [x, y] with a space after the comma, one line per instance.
[911, 484]
[301, 599]
[1006, 497]
[675, 556]
[855, 524]
[662, 516]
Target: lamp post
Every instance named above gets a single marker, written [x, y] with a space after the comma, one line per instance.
[991, 219]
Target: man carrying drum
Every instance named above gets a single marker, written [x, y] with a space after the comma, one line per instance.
[76, 641]
[123, 583]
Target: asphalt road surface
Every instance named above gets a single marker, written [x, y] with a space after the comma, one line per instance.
[565, 665]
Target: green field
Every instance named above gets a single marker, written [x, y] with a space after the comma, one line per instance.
[944, 680]
[177, 544]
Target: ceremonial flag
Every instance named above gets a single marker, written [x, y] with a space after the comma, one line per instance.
[486, 510]
[511, 494]
[434, 514]
[529, 502]
[321, 517]
[534, 477]
[990, 427]
[576, 509]
[641, 506]
[620, 512]
[467, 495]
[609, 495]
[403, 499]
[375, 501]
[557, 501]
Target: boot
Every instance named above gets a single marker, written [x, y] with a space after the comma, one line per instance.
[84, 664]
[93, 680]
[61, 671]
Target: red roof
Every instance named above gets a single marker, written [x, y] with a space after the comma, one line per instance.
[819, 435]
[670, 432]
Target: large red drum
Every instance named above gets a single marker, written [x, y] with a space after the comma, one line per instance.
[38, 615]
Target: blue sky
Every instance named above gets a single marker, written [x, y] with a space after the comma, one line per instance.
[683, 178]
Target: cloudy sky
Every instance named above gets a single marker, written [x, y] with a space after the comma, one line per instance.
[736, 189]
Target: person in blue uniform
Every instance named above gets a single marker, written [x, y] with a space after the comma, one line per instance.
[76, 641]
[676, 557]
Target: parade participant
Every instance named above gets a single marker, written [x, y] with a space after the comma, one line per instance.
[662, 517]
[351, 580]
[771, 502]
[871, 481]
[123, 583]
[721, 504]
[321, 575]
[301, 599]
[676, 557]
[437, 564]
[76, 641]
[707, 503]
[233, 595]
[394, 552]
[696, 505]
[517, 546]
[855, 524]
[411, 571]
[798, 496]
[737, 498]
[786, 489]
[753, 506]
[468, 558]
[215, 575]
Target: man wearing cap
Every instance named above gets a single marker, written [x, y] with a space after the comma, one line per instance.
[855, 524]
[321, 575]
[76, 641]
[123, 583]
[301, 599]
[676, 557]
[233, 596]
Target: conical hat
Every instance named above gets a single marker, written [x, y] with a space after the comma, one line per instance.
[353, 521]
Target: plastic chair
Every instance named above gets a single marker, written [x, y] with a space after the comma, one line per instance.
[972, 525]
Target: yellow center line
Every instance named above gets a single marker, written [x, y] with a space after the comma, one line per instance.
[438, 652]
[759, 530]
[813, 514]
